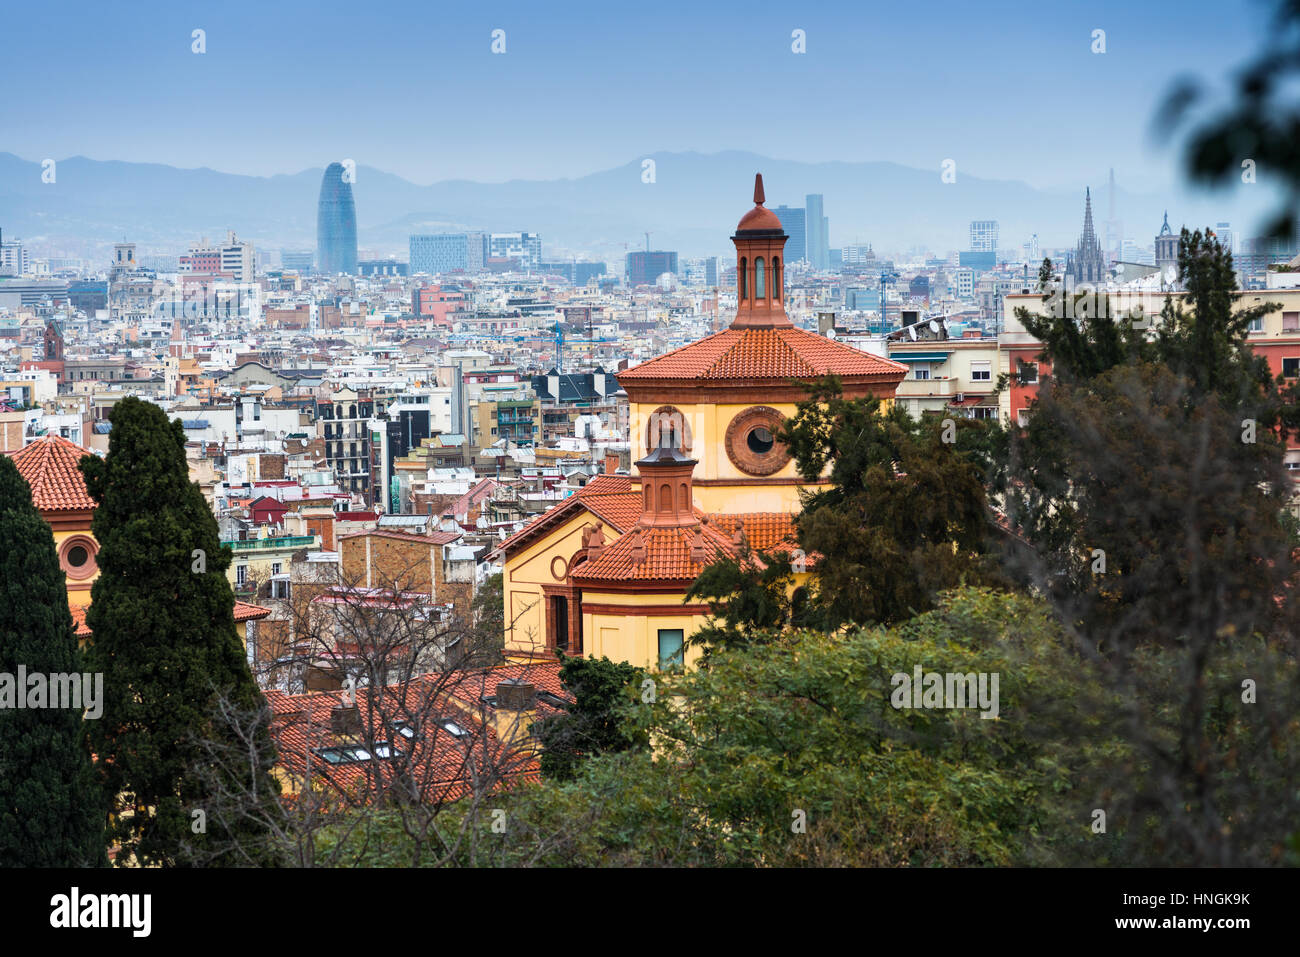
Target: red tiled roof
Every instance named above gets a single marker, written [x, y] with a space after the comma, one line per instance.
[763, 530]
[243, 612]
[49, 465]
[79, 620]
[439, 763]
[783, 352]
[246, 612]
[435, 538]
[608, 497]
[667, 555]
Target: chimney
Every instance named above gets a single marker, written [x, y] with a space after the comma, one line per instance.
[611, 463]
[345, 719]
[515, 694]
[512, 719]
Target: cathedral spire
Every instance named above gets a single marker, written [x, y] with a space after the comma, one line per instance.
[1088, 231]
[1089, 262]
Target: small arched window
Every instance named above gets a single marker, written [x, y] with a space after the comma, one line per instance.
[740, 274]
[760, 280]
[665, 498]
[683, 499]
[776, 277]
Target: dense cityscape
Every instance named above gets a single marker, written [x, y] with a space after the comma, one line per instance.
[513, 524]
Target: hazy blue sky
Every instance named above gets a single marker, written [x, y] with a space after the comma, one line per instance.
[1008, 90]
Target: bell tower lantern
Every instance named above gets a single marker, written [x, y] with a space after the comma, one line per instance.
[760, 267]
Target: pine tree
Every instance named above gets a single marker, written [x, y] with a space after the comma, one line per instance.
[191, 784]
[51, 809]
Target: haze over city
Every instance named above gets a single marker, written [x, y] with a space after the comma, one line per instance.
[688, 438]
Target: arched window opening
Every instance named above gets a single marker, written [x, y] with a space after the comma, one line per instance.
[760, 283]
[776, 277]
[740, 274]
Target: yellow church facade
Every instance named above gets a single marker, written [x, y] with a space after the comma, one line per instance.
[606, 572]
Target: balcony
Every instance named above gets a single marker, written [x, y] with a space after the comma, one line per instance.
[288, 541]
[939, 387]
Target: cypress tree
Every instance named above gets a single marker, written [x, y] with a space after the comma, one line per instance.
[190, 785]
[51, 810]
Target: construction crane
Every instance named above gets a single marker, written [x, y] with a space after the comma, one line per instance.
[557, 340]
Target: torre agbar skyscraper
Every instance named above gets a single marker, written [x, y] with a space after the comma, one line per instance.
[336, 224]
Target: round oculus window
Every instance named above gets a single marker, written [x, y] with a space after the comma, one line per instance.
[751, 441]
[77, 558]
[760, 440]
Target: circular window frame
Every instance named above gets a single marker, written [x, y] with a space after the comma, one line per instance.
[737, 442]
[91, 567]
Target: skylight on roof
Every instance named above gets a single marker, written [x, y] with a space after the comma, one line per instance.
[452, 728]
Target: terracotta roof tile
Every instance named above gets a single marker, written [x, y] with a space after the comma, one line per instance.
[79, 620]
[441, 764]
[49, 466]
[782, 352]
[667, 555]
[438, 537]
[764, 530]
[608, 497]
[246, 612]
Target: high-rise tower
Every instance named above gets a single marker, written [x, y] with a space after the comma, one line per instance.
[336, 224]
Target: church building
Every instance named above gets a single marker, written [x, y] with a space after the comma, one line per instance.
[606, 572]
[1088, 263]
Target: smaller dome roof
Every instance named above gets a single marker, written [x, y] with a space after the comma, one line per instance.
[759, 217]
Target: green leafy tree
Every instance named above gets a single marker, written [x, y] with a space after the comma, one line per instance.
[906, 513]
[1151, 497]
[175, 670]
[51, 807]
[596, 723]
[793, 753]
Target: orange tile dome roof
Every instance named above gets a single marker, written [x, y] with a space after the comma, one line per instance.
[759, 217]
[49, 466]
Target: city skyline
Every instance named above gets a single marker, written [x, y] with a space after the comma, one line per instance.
[906, 56]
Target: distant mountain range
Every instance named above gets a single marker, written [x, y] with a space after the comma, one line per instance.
[691, 207]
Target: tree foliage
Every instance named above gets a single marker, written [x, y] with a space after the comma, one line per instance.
[51, 807]
[596, 723]
[165, 639]
[905, 515]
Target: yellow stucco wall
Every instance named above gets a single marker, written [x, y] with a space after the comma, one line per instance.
[707, 425]
[635, 637]
[530, 568]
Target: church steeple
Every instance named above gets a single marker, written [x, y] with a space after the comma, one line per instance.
[1088, 264]
[1089, 235]
[760, 266]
